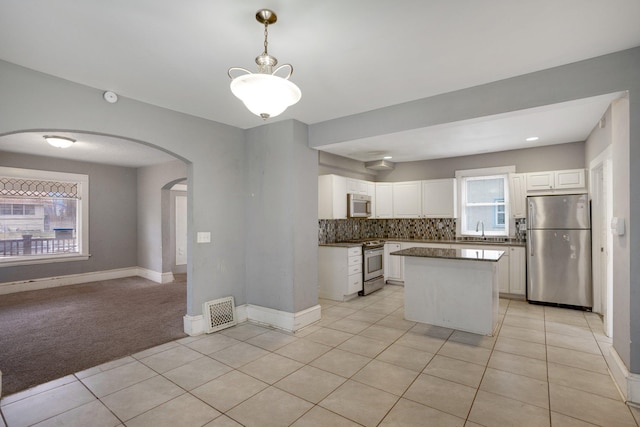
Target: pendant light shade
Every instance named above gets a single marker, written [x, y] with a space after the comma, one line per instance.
[264, 93]
[60, 141]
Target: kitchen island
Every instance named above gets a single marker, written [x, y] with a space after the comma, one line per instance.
[454, 288]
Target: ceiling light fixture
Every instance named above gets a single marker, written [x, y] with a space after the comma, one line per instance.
[532, 139]
[59, 141]
[263, 93]
[388, 157]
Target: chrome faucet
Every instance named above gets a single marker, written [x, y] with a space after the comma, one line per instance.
[478, 226]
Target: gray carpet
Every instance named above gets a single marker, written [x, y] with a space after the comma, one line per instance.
[50, 333]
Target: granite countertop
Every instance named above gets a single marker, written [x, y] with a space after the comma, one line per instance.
[488, 242]
[342, 244]
[459, 254]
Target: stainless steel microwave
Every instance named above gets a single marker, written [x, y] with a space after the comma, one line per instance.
[358, 206]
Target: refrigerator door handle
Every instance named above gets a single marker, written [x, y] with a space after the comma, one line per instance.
[531, 219]
[530, 238]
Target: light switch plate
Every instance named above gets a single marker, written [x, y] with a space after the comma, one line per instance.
[203, 237]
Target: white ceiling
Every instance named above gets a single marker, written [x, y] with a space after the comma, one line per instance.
[552, 124]
[349, 56]
[87, 148]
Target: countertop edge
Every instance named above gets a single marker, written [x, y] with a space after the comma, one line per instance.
[436, 253]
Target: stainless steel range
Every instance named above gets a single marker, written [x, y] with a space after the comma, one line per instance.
[373, 266]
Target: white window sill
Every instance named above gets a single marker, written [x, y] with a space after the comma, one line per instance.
[12, 262]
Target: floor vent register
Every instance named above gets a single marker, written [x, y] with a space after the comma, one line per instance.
[219, 314]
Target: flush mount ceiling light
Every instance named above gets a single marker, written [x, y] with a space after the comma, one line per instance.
[532, 139]
[59, 141]
[263, 93]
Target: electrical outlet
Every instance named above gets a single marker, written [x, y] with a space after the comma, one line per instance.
[203, 237]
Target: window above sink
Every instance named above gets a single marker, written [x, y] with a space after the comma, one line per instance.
[484, 202]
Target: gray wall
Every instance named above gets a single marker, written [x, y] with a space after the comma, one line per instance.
[552, 157]
[333, 164]
[281, 217]
[112, 217]
[626, 281]
[611, 73]
[214, 152]
[153, 217]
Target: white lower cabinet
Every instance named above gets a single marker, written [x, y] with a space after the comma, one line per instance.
[393, 265]
[512, 268]
[517, 270]
[339, 272]
[503, 263]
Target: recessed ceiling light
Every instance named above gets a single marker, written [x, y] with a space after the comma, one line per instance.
[59, 141]
[387, 157]
[532, 138]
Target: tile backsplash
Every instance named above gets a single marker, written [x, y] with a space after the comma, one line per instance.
[521, 234]
[340, 230]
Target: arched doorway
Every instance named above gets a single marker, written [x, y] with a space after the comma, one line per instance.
[120, 176]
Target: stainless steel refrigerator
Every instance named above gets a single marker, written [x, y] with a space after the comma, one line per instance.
[559, 250]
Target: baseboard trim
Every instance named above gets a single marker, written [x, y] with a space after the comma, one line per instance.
[628, 382]
[70, 279]
[75, 279]
[290, 322]
[193, 325]
[155, 276]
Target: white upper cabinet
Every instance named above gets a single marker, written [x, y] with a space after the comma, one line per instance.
[407, 199]
[569, 179]
[439, 198]
[371, 192]
[518, 195]
[384, 200]
[540, 181]
[332, 197]
[555, 180]
[357, 186]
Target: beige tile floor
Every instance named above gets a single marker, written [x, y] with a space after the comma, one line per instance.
[362, 364]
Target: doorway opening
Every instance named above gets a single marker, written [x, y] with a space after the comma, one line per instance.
[601, 188]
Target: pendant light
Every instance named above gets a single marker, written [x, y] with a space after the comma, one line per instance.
[263, 93]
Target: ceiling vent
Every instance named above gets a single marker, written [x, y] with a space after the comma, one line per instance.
[380, 165]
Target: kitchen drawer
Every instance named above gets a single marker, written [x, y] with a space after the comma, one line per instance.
[354, 269]
[354, 284]
[355, 260]
[357, 250]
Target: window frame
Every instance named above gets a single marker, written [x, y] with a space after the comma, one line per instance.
[497, 212]
[462, 176]
[82, 216]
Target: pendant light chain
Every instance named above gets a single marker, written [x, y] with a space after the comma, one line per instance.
[266, 34]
